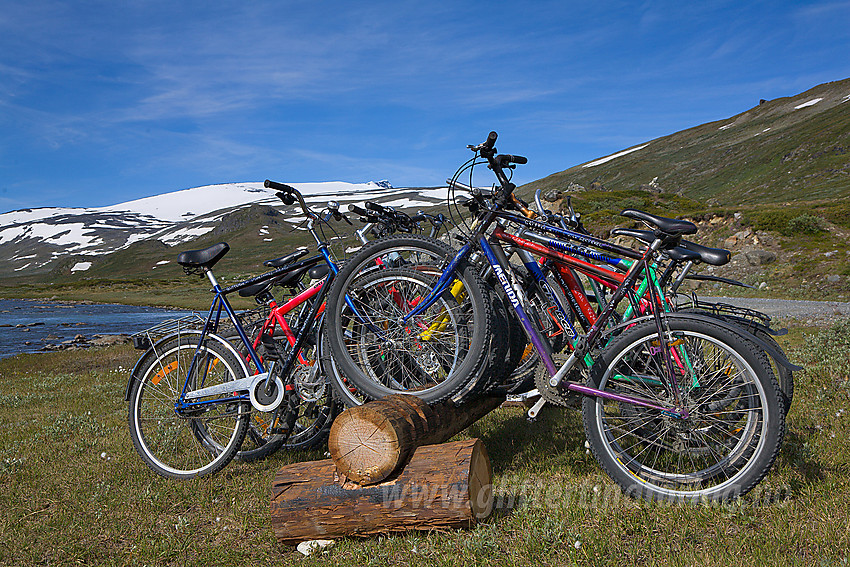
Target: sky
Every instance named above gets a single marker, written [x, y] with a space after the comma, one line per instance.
[103, 102]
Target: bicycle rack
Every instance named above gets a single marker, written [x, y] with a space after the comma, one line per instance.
[144, 339]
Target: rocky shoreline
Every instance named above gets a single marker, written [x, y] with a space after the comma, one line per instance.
[79, 342]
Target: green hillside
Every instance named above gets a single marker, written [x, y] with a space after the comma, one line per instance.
[779, 151]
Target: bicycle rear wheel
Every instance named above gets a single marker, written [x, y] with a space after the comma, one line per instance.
[721, 450]
[188, 443]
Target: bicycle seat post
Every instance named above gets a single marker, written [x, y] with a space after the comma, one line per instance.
[211, 277]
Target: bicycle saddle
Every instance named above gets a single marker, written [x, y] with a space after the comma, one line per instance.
[713, 256]
[318, 271]
[286, 279]
[205, 258]
[284, 260]
[678, 253]
[673, 227]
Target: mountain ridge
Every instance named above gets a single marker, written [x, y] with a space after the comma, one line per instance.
[38, 240]
[793, 148]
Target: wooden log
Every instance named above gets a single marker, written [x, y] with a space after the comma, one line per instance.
[367, 443]
[454, 418]
[443, 486]
[370, 442]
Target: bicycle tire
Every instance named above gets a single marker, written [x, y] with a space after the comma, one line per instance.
[188, 444]
[451, 371]
[784, 377]
[735, 447]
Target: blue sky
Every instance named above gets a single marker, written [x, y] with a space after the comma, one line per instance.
[104, 102]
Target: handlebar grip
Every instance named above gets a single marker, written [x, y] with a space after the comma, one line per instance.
[268, 184]
[374, 207]
[358, 210]
[418, 218]
[491, 140]
[515, 159]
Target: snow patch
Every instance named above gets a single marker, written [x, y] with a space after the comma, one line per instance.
[614, 156]
[80, 267]
[163, 262]
[812, 102]
[727, 126]
[845, 99]
[185, 234]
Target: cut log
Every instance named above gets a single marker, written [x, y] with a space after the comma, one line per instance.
[370, 442]
[367, 443]
[443, 486]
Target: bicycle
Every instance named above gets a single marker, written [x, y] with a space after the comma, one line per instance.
[561, 262]
[676, 406]
[191, 394]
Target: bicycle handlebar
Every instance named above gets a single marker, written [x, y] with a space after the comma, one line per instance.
[289, 195]
[359, 211]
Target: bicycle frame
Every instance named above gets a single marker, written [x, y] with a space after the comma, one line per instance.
[498, 262]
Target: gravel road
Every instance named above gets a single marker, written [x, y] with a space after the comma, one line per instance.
[804, 311]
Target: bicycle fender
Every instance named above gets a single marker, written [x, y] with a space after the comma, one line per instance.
[776, 355]
[152, 351]
[148, 353]
[757, 325]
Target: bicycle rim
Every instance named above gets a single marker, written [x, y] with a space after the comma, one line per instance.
[186, 444]
[720, 451]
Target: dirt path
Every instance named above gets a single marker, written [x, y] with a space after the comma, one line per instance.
[804, 311]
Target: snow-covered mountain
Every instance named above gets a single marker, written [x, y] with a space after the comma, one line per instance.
[35, 239]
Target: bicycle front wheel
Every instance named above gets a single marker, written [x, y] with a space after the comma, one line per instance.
[733, 431]
[186, 443]
[431, 355]
[446, 358]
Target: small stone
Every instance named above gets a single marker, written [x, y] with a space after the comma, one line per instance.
[763, 285]
[834, 278]
[552, 195]
[103, 455]
[577, 544]
[309, 547]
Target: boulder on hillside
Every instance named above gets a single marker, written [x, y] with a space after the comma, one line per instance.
[759, 257]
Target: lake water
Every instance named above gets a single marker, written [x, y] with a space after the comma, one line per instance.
[51, 323]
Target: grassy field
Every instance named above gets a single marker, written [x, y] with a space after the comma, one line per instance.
[73, 491]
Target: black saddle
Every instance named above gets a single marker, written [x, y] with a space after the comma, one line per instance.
[318, 271]
[713, 256]
[205, 258]
[284, 260]
[286, 279]
[673, 227]
[685, 251]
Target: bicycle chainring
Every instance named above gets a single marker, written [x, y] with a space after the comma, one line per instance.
[559, 396]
